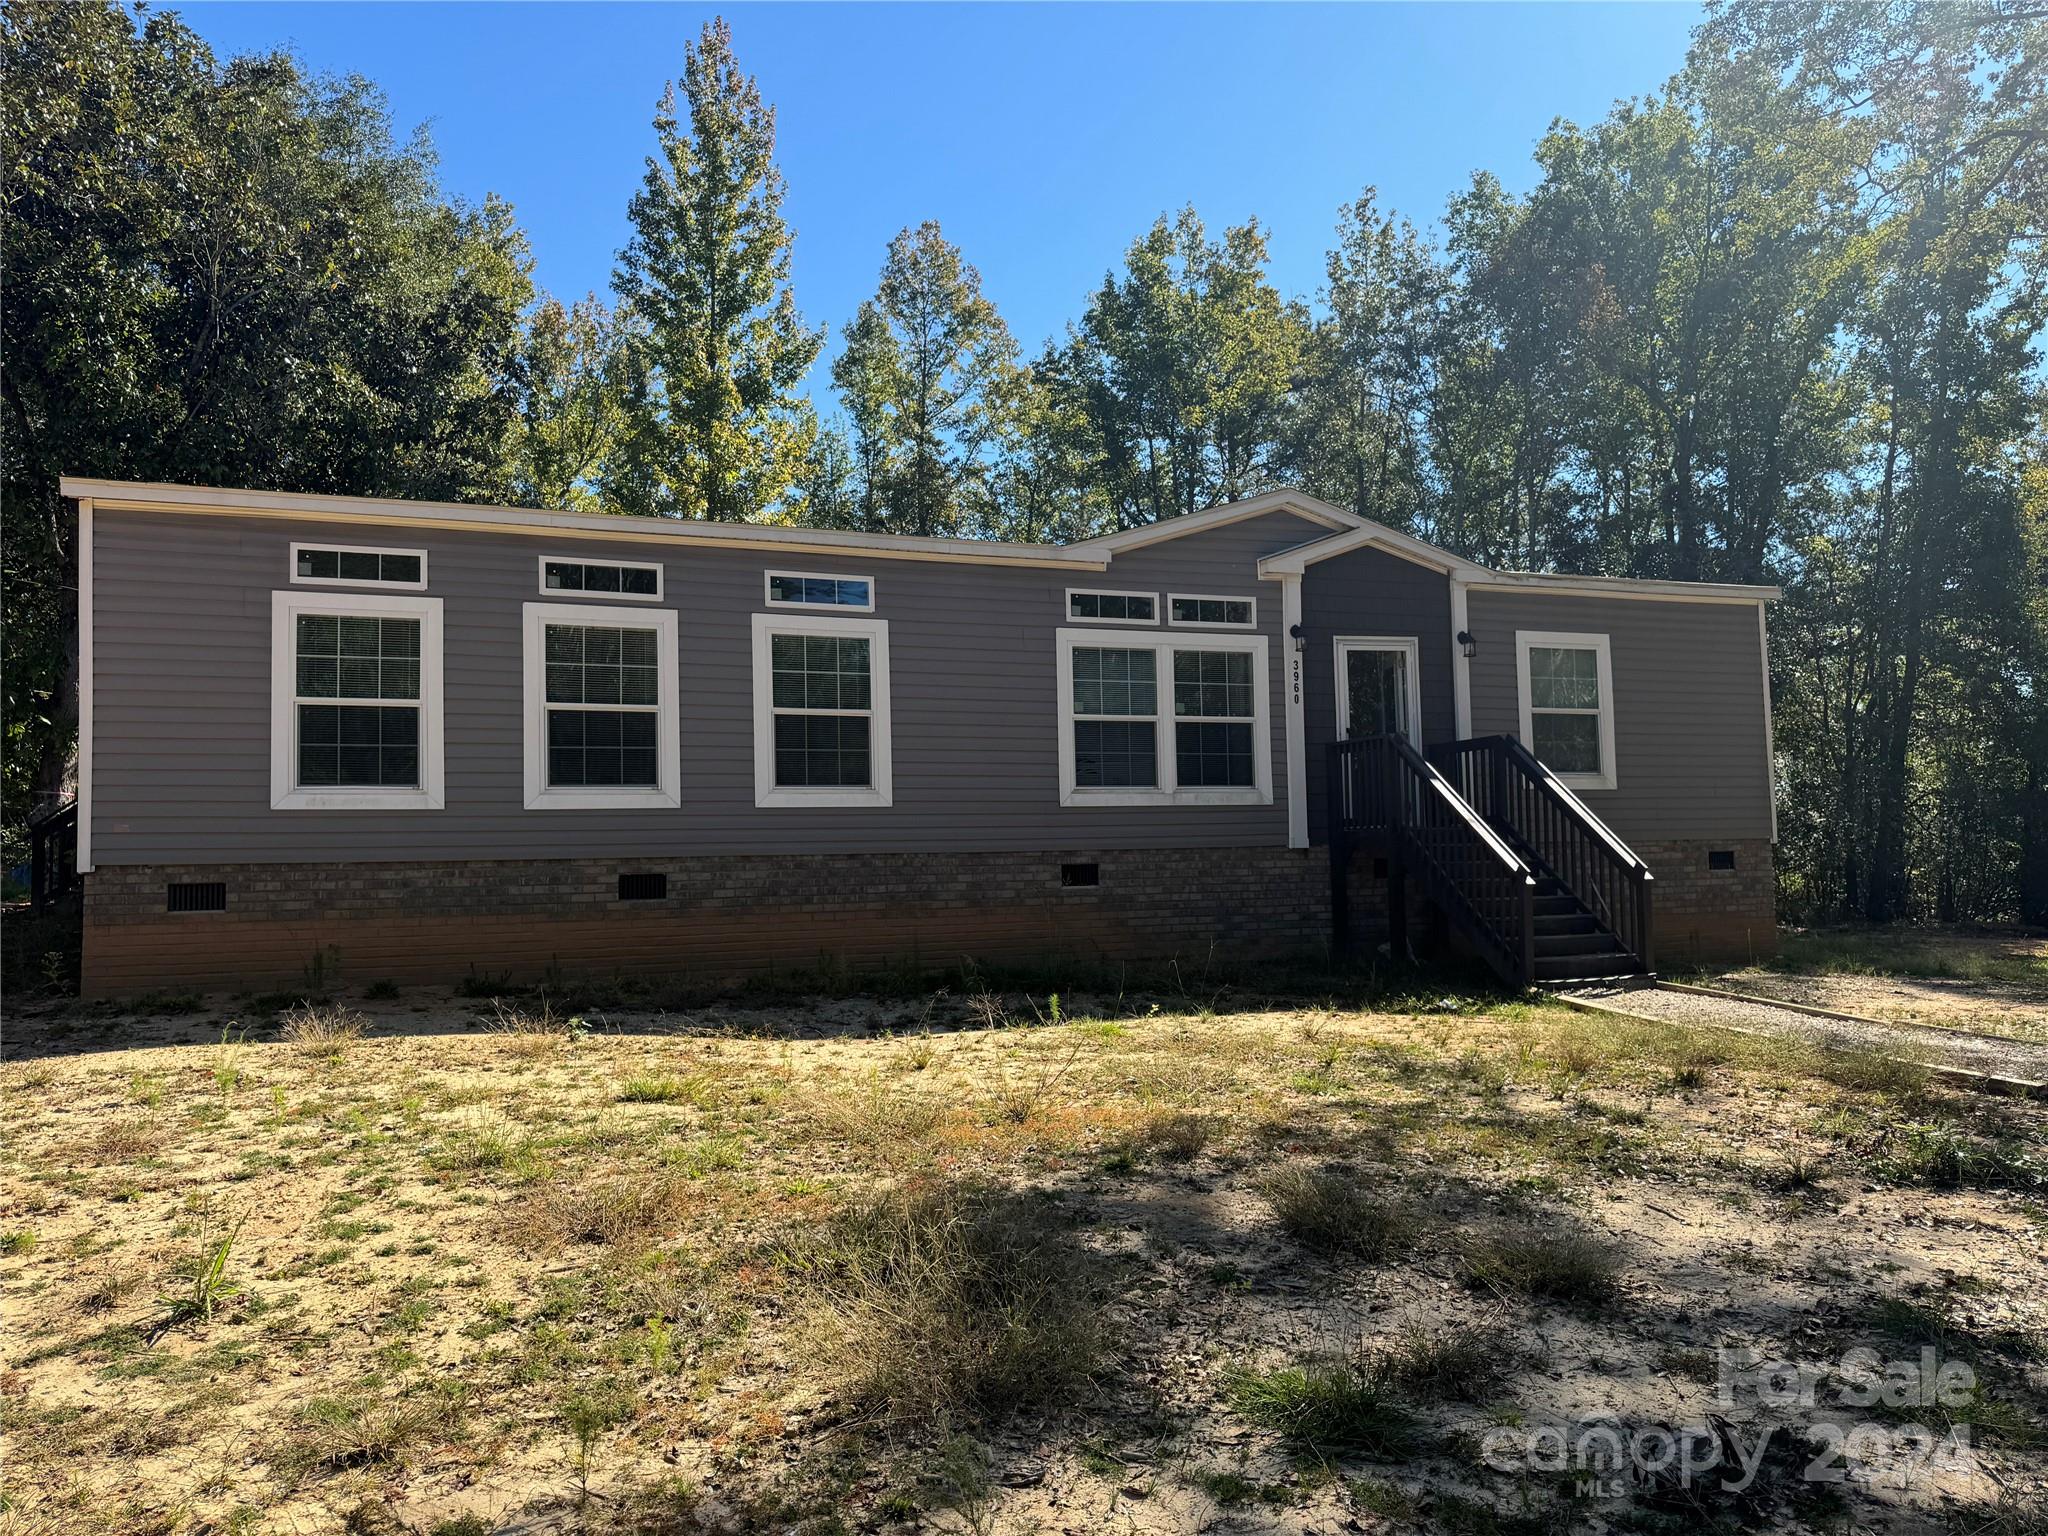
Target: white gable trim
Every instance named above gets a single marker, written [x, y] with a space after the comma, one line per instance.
[1307, 507]
[1365, 535]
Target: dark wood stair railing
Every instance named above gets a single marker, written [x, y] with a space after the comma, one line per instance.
[1384, 791]
[1571, 850]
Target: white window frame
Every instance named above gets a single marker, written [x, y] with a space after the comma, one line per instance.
[1528, 639]
[768, 577]
[1168, 791]
[1075, 618]
[809, 620]
[285, 793]
[355, 549]
[558, 594]
[1211, 597]
[1407, 644]
[667, 791]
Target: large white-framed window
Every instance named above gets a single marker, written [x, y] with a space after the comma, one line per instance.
[1086, 605]
[821, 710]
[1566, 687]
[358, 565]
[813, 589]
[601, 723]
[574, 576]
[355, 702]
[1211, 612]
[1164, 719]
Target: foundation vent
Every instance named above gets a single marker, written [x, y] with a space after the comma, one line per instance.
[643, 887]
[1721, 858]
[196, 896]
[1080, 874]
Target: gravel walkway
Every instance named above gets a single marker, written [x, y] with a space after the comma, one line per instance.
[2023, 1059]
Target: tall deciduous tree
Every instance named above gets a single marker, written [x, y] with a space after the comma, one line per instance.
[571, 418]
[716, 426]
[225, 274]
[929, 377]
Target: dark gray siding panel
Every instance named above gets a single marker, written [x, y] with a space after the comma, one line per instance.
[1369, 592]
[181, 768]
[1690, 756]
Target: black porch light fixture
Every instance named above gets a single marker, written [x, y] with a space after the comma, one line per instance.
[1467, 644]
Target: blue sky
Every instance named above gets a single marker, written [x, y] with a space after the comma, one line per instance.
[1044, 138]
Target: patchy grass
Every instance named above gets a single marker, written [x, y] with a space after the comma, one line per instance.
[963, 1257]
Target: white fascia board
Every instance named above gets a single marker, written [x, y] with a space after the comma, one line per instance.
[1293, 562]
[377, 511]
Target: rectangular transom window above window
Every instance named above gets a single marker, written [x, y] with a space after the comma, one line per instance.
[355, 702]
[1164, 720]
[601, 708]
[629, 580]
[1086, 607]
[821, 711]
[1566, 685]
[352, 565]
[1211, 612]
[811, 589]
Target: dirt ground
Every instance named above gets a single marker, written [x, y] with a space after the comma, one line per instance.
[1990, 982]
[1302, 1267]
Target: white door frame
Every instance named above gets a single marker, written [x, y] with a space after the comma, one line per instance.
[1410, 646]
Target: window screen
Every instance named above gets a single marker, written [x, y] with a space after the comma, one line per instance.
[603, 706]
[822, 693]
[1116, 712]
[356, 701]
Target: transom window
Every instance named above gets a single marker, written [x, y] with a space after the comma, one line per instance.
[349, 565]
[801, 589]
[605, 578]
[601, 707]
[1213, 612]
[355, 701]
[1113, 607]
[1160, 720]
[1567, 698]
[821, 711]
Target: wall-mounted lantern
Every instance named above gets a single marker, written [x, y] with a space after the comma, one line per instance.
[1467, 644]
[1300, 641]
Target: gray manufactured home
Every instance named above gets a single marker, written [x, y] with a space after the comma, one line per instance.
[407, 740]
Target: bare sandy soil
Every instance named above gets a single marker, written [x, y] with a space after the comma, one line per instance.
[480, 1272]
[1995, 984]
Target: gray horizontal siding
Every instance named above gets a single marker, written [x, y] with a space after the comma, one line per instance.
[181, 677]
[1690, 756]
[1370, 592]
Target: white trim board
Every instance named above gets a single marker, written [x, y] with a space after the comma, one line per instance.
[285, 795]
[1524, 640]
[1167, 791]
[880, 789]
[540, 796]
[85, 681]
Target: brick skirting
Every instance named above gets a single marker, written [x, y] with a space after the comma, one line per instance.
[435, 922]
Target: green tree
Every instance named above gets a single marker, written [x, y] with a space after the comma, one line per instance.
[929, 377]
[716, 427]
[226, 274]
[571, 418]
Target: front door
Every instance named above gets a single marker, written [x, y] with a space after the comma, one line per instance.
[1377, 688]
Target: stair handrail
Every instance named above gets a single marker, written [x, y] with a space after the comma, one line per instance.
[1625, 909]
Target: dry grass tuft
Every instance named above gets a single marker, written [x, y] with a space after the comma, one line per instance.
[953, 1299]
[1331, 1210]
[526, 1031]
[627, 1212]
[1554, 1263]
[1460, 1363]
[1176, 1136]
[326, 1030]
